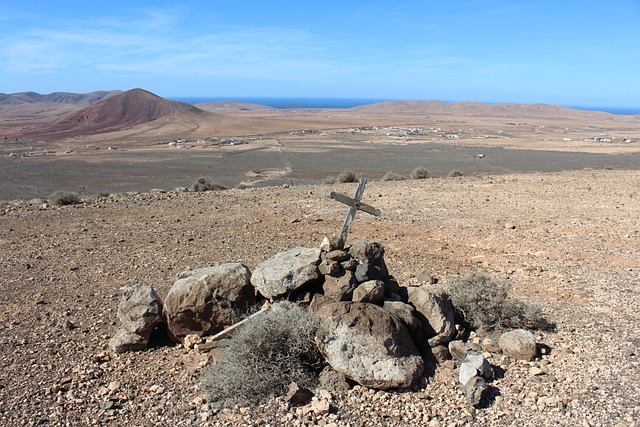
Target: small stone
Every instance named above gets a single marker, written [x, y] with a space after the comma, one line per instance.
[371, 292]
[329, 244]
[350, 264]
[441, 353]
[338, 255]
[109, 404]
[320, 407]
[535, 371]
[328, 267]
[458, 349]
[475, 365]
[518, 344]
[367, 272]
[475, 389]
[324, 394]
[297, 396]
[189, 341]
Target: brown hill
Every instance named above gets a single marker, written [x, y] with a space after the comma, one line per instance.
[125, 110]
[477, 109]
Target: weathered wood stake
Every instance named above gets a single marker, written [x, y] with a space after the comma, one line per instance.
[355, 205]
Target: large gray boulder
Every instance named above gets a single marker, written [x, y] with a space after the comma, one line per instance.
[206, 300]
[435, 310]
[139, 312]
[286, 272]
[518, 344]
[368, 345]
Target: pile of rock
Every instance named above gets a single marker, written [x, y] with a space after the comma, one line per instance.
[375, 332]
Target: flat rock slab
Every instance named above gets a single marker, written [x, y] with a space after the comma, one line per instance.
[206, 300]
[368, 345]
[286, 272]
[436, 312]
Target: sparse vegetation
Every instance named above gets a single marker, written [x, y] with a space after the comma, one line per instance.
[483, 301]
[62, 198]
[201, 184]
[419, 173]
[344, 176]
[454, 173]
[392, 176]
[265, 356]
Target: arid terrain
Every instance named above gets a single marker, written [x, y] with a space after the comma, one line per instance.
[136, 141]
[540, 205]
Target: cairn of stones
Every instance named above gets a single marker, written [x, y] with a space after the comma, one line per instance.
[377, 332]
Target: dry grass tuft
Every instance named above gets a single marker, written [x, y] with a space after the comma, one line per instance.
[392, 176]
[63, 198]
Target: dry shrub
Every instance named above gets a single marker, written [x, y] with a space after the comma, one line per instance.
[62, 198]
[483, 301]
[201, 184]
[346, 176]
[392, 176]
[419, 173]
[265, 356]
[454, 173]
[329, 180]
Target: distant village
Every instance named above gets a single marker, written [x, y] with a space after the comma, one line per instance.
[384, 134]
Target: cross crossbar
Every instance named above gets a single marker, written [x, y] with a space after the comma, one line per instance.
[355, 205]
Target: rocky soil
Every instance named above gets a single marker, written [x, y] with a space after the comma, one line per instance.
[569, 242]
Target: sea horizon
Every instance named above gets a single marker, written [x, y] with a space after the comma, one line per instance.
[320, 102]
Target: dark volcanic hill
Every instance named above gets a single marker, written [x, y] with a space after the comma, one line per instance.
[125, 110]
[81, 99]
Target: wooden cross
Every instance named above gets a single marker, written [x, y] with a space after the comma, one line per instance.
[355, 205]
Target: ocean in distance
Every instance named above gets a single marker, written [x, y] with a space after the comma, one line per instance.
[286, 103]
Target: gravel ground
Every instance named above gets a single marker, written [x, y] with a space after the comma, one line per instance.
[567, 241]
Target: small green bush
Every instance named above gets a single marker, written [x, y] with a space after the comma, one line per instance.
[483, 301]
[62, 198]
[392, 176]
[201, 184]
[454, 173]
[265, 356]
[419, 173]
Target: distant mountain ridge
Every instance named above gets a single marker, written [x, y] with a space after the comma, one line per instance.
[478, 109]
[80, 99]
[231, 105]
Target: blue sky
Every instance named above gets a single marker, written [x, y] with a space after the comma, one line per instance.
[579, 53]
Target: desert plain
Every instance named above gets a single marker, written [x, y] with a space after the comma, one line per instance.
[548, 200]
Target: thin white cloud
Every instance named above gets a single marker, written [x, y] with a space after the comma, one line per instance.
[155, 43]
